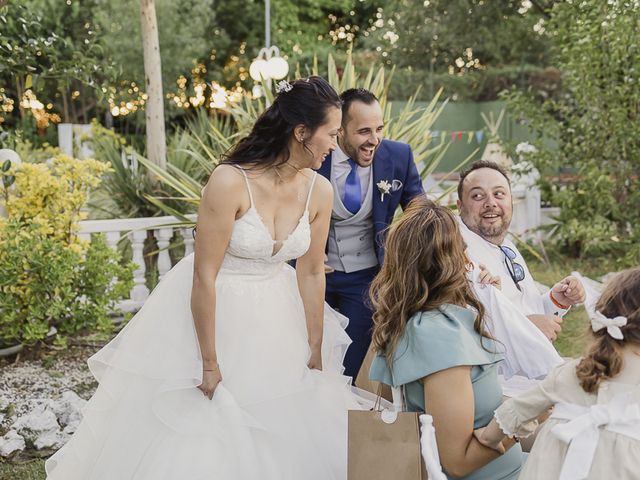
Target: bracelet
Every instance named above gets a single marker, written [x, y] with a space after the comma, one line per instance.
[558, 304]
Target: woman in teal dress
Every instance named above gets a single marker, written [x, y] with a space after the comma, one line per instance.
[429, 337]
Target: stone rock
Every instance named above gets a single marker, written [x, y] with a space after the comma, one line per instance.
[51, 439]
[40, 428]
[68, 410]
[39, 420]
[11, 442]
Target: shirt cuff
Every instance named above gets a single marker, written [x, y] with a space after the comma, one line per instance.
[552, 307]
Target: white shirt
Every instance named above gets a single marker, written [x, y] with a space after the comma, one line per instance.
[528, 353]
[529, 300]
[340, 170]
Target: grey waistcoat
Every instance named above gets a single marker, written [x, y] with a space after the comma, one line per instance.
[351, 237]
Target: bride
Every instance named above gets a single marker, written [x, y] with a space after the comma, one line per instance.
[233, 367]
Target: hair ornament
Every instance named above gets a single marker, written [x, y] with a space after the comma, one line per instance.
[283, 86]
[599, 321]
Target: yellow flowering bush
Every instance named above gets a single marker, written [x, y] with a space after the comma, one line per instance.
[51, 195]
[48, 275]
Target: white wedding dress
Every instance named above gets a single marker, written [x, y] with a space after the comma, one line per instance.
[271, 418]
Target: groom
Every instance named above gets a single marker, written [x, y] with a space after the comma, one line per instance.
[370, 177]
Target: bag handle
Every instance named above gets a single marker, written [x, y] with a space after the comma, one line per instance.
[398, 395]
[377, 404]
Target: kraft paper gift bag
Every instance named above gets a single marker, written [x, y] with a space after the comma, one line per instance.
[384, 444]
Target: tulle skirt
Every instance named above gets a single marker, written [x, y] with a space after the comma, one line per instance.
[270, 417]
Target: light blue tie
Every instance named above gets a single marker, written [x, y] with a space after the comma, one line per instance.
[352, 189]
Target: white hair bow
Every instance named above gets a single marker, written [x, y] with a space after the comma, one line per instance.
[599, 321]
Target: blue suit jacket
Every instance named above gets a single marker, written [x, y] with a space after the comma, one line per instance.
[392, 161]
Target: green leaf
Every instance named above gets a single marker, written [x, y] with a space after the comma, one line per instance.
[8, 180]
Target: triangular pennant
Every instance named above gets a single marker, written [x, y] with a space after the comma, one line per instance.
[453, 136]
[459, 135]
[479, 136]
[469, 137]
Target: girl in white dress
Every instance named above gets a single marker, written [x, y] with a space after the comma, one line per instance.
[593, 431]
[232, 370]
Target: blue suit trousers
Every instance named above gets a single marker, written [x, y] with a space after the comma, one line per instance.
[348, 293]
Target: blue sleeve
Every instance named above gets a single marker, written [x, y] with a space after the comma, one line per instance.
[432, 342]
[412, 182]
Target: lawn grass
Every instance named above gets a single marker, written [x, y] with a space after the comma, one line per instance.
[33, 470]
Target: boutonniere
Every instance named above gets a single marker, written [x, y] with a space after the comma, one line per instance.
[384, 187]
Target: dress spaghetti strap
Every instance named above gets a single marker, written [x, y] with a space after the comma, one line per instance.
[313, 181]
[246, 179]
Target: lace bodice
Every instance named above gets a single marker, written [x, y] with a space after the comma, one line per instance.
[251, 247]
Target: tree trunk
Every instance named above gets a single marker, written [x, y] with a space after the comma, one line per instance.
[154, 106]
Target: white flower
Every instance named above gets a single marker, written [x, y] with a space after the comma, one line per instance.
[384, 187]
[525, 147]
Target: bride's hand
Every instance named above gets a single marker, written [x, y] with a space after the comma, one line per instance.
[210, 380]
[315, 362]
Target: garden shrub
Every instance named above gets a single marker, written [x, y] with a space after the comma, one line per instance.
[476, 86]
[49, 276]
[592, 130]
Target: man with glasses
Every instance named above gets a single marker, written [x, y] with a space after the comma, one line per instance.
[485, 205]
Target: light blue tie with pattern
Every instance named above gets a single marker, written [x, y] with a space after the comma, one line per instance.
[352, 189]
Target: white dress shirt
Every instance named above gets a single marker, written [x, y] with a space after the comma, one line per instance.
[340, 169]
[529, 355]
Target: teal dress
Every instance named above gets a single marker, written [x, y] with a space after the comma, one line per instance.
[441, 339]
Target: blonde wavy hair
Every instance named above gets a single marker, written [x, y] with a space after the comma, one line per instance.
[425, 266]
[621, 297]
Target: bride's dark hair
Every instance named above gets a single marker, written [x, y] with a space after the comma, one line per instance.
[305, 103]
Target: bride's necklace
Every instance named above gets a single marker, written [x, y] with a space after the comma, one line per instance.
[280, 177]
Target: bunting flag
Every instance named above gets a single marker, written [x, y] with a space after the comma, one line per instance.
[457, 135]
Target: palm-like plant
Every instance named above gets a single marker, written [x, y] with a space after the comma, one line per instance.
[412, 125]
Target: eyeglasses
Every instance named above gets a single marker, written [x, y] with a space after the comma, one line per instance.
[515, 269]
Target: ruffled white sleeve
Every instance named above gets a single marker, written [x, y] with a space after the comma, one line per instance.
[517, 416]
